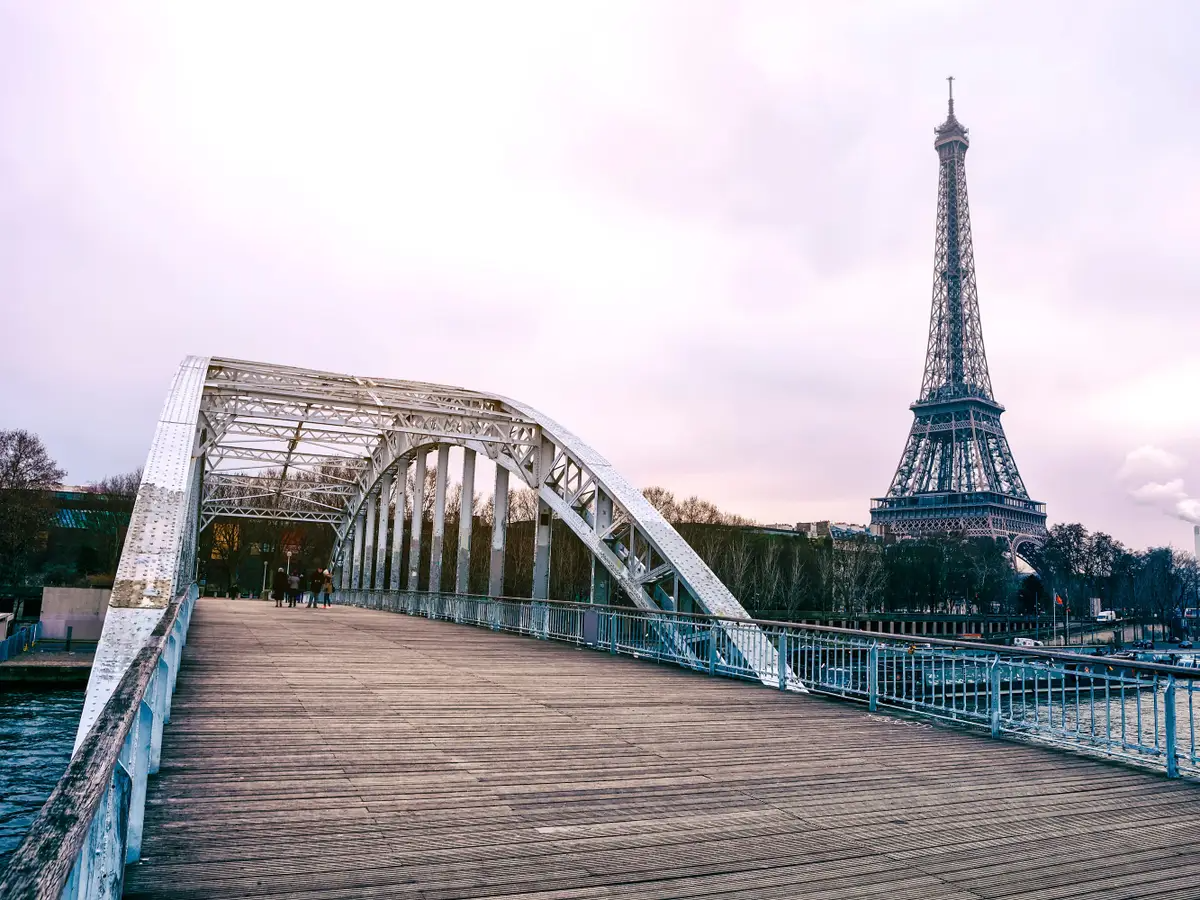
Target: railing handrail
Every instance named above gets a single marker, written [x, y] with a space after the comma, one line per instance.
[911, 639]
[43, 862]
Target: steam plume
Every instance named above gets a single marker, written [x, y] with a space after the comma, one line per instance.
[1151, 468]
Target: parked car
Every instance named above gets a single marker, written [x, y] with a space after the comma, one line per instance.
[1185, 645]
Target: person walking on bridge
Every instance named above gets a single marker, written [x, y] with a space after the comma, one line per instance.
[293, 589]
[315, 581]
[279, 586]
[326, 586]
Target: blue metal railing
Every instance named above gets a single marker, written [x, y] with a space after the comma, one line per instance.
[21, 640]
[91, 825]
[1144, 713]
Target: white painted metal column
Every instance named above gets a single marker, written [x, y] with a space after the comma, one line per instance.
[368, 543]
[466, 521]
[439, 518]
[414, 547]
[385, 496]
[541, 552]
[545, 518]
[398, 525]
[499, 533]
[356, 556]
[601, 579]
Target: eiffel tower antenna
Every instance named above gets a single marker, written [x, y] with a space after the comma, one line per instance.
[957, 473]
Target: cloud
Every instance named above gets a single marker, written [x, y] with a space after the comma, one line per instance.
[1154, 492]
[1149, 462]
[697, 233]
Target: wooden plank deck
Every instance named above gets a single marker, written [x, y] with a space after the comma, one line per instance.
[342, 753]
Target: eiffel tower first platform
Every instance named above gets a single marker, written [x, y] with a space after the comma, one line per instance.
[957, 474]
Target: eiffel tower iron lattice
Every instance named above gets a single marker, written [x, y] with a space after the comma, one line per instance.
[957, 473]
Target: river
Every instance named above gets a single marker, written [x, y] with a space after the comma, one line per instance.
[37, 732]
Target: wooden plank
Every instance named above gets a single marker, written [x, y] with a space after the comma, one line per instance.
[345, 753]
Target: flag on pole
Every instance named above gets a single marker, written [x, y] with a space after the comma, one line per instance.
[1058, 599]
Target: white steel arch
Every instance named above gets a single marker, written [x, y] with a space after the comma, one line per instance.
[338, 437]
[255, 440]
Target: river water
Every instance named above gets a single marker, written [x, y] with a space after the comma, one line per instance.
[37, 732]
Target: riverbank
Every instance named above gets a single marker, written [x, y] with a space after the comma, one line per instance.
[48, 666]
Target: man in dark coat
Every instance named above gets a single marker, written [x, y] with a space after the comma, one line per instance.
[279, 586]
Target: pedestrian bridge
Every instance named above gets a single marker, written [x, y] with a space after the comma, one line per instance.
[654, 743]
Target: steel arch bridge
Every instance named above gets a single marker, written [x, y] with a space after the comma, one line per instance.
[256, 440]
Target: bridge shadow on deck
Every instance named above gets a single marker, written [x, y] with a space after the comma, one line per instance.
[344, 753]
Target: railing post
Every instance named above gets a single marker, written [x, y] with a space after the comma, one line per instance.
[1170, 728]
[873, 676]
[994, 696]
[162, 676]
[172, 659]
[782, 662]
[612, 632]
[139, 770]
[712, 648]
[102, 873]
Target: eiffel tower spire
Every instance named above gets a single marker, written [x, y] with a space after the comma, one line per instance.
[955, 362]
[957, 473]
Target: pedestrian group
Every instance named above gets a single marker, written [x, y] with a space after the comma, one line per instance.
[292, 589]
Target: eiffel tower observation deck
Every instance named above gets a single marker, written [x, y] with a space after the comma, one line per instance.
[957, 474]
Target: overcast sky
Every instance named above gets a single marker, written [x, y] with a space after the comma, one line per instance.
[699, 234]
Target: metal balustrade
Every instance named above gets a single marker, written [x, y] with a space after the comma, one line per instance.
[91, 825]
[1144, 713]
[20, 640]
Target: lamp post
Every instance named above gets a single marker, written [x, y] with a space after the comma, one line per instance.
[289, 562]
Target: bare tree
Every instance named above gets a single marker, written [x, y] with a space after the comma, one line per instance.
[124, 485]
[767, 576]
[736, 566]
[26, 473]
[798, 587]
[662, 500]
[25, 464]
[862, 575]
[826, 575]
[522, 505]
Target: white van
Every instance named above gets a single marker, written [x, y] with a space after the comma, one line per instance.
[1106, 615]
[1027, 642]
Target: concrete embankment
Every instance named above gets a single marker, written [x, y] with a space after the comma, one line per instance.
[47, 666]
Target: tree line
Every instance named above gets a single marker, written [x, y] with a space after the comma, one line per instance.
[774, 574]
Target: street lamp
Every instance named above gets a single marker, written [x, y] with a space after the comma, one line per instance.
[289, 562]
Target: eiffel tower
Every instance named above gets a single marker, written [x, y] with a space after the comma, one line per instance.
[957, 474]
